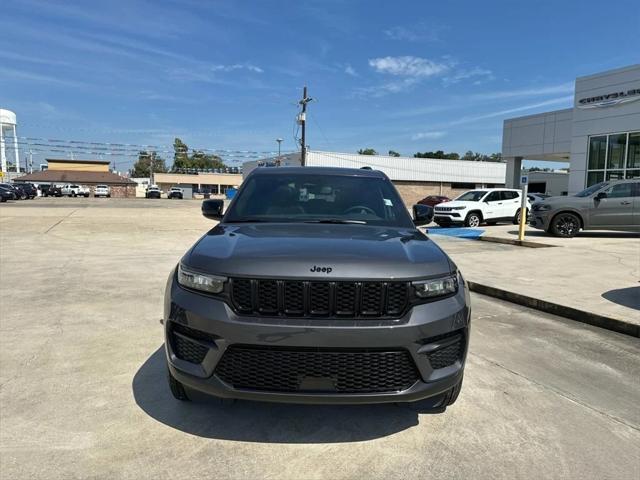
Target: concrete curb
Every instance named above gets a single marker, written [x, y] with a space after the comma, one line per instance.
[590, 318]
[509, 241]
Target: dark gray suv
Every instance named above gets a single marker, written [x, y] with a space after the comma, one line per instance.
[611, 205]
[317, 287]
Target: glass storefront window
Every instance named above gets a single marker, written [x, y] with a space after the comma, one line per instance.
[617, 150]
[594, 177]
[614, 175]
[597, 152]
[613, 157]
[633, 156]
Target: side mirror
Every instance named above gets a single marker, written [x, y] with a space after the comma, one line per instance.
[601, 195]
[422, 214]
[212, 209]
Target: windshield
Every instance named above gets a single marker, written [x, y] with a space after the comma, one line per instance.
[472, 196]
[591, 190]
[319, 198]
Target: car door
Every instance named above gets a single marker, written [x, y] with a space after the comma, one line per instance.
[510, 203]
[613, 206]
[493, 205]
[635, 220]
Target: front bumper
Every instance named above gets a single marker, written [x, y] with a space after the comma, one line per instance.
[448, 218]
[540, 220]
[226, 328]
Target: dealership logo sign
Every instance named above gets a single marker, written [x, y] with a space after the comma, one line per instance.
[610, 99]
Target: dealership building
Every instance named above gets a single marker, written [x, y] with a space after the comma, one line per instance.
[599, 137]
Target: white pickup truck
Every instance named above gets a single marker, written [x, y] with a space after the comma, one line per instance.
[75, 191]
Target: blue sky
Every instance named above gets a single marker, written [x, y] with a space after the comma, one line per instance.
[403, 75]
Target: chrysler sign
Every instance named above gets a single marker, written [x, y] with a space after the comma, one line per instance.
[610, 99]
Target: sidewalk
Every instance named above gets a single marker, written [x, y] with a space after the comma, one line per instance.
[596, 273]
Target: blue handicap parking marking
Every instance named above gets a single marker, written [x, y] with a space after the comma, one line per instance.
[456, 232]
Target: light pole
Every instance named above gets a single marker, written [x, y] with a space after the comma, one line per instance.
[279, 140]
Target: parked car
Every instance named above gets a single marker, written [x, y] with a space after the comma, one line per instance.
[489, 205]
[536, 197]
[175, 192]
[6, 193]
[21, 193]
[75, 191]
[153, 192]
[51, 190]
[102, 191]
[11, 188]
[29, 189]
[433, 200]
[612, 205]
[317, 287]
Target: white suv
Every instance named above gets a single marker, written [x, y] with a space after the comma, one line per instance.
[489, 205]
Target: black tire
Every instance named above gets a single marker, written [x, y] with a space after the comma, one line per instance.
[73, 194]
[177, 389]
[565, 225]
[516, 217]
[109, 196]
[473, 220]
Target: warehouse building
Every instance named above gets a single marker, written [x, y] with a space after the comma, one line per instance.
[213, 183]
[415, 178]
[599, 136]
[81, 172]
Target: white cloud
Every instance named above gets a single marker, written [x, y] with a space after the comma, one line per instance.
[480, 75]
[428, 135]
[384, 89]
[501, 113]
[409, 66]
[418, 33]
[528, 92]
[236, 66]
[349, 70]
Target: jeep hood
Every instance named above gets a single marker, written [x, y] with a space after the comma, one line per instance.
[458, 203]
[293, 250]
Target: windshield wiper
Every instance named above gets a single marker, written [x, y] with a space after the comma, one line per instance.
[337, 221]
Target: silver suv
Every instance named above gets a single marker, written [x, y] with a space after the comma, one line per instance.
[612, 205]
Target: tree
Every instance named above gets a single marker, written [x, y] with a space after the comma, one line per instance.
[142, 167]
[180, 154]
[437, 154]
[393, 153]
[367, 151]
[481, 157]
[198, 160]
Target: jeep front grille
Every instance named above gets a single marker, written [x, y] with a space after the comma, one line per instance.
[319, 299]
[289, 369]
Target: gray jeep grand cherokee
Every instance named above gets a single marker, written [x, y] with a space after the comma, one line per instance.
[317, 287]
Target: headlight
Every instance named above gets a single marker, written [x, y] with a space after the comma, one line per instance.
[200, 281]
[458, 208]
[436, 287]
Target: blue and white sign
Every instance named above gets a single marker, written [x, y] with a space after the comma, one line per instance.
[524, 179]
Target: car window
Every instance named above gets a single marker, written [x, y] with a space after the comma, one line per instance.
[620, 190]
[309, 197]
[509, 195]
[493, 197]
[472, 196]
[591, 190]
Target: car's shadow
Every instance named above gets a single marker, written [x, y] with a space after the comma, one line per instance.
[588, 234]
[627, 297]
[263, 422]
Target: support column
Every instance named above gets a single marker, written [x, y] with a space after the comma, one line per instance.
[15, 149]
[514, 169]
[3, 154]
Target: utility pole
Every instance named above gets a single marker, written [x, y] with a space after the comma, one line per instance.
[150, 169]
[302, 118]
[30, 161]
[279, 140]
